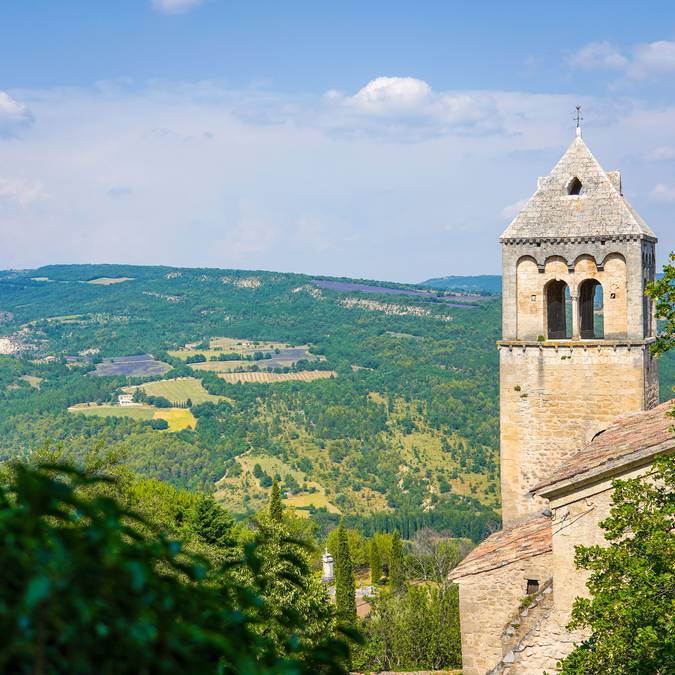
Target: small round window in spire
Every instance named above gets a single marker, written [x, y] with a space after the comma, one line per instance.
[575, 187]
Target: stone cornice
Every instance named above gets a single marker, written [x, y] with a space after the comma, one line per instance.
[599, 239]
[574, 344]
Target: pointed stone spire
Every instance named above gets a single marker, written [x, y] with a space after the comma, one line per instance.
[577, 199]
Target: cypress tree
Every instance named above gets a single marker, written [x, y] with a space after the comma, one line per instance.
[213, 524]
[276, 507]
[345, 587]
[396, 562]
[375, 563]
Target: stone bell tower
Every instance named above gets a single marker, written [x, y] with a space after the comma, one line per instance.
[577, 325]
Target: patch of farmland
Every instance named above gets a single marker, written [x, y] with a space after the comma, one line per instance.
[266, 377]
[177, 390]
[219, 366]
[108, 281]
[177, 418]
[279, 355]
[218, 346]
[136, 412]
[306, 499]
[139, 365]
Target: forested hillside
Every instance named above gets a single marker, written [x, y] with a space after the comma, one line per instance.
[377, 402]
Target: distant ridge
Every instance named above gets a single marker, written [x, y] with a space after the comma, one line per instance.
[484, 283]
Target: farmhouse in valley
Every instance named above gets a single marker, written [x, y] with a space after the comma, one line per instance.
[579, 408]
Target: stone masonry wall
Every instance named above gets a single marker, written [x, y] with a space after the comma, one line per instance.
[486, 603]
[531, 295]
[553, 400]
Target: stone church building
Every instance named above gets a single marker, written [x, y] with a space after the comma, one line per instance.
[579, 408]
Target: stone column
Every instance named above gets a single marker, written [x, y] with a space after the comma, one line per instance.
[575, 317]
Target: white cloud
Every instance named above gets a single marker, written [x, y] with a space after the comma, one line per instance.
[662, 152]
[663, 193]
[13, 114]
[408, 109]
[175, 6]
[653, 59]
[20, 191]
[642, 61]
[598, 56]
[512, 210]
[203, 175]
[392, 95]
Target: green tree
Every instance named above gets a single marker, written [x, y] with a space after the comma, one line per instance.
[358, 549]
[288, 585]
[375, 563]
[632, 582]
[662, 291]
[396, 578]
[414, 630]
[345, 587]
[276, 507]
[93, 591]
[212, 524]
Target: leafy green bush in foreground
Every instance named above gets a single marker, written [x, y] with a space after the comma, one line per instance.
[90, 586]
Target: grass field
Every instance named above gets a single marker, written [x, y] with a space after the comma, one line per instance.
[33, 380]
[141, 412]
[178, 390]
[108, 281]
[177, 418]
[268, 378]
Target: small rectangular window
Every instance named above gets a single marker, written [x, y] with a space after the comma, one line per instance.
[533, 298]
[532, 586]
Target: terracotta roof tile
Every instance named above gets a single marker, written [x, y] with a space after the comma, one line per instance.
[519, 542]
[641, 431]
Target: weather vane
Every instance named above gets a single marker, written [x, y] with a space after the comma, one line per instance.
[578, 117]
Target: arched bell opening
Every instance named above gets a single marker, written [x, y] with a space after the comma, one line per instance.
[558, 323]
[591, 310]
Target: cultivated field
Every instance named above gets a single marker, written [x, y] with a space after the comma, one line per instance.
[139, 365]
[140, 412]
[177, 418]
[270, 377]
[178, 390]
[281, 355]
[219, 366]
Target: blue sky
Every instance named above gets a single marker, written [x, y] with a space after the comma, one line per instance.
[384, 140]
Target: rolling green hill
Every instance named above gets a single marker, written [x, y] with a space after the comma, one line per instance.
[390, 418]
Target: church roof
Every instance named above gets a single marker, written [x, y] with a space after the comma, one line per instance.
[525, 540]
[632, 439]
[600, 210]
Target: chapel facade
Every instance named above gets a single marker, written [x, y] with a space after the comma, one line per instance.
[574, 356]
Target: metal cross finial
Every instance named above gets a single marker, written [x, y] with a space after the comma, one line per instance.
[578, 117]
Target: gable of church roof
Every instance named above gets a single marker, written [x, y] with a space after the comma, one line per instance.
[520, 542]
[633, 438]
[599, 210]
